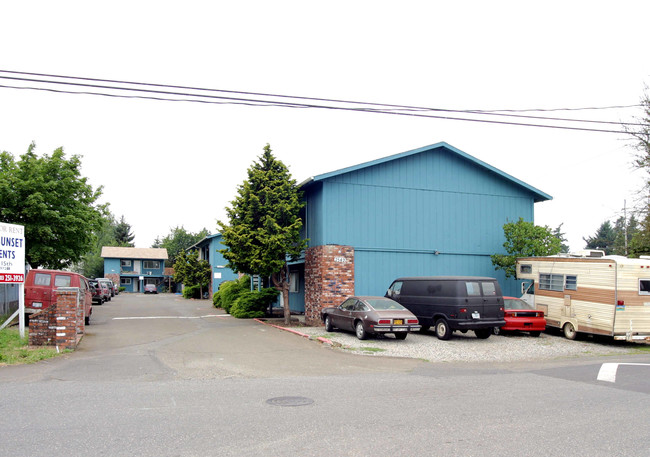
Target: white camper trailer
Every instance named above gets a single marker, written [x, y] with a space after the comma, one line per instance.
[607, 295]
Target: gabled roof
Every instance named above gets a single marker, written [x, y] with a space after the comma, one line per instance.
[539, 195]
[203, 241]
[115, 252]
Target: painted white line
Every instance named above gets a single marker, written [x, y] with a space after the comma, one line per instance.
[169, 317]
[608, 371]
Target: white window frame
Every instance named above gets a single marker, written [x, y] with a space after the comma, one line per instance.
[145, 264]
[125, 263]
[294, 282]
[125, 281]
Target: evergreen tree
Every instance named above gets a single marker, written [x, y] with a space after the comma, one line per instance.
[123, 234]
[603, 239]
[263, 228]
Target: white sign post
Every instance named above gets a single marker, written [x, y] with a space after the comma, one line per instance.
[12, 265]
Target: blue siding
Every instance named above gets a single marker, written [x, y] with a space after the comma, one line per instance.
[374, 271]
[218, 263]
[398, 213]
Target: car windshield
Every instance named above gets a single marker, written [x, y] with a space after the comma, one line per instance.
[516, 303]
[383, 304]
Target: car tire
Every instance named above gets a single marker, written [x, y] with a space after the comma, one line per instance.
[443, 332]
[570, 332]
[87, 320]
[328, 324]
[483, 333]
[535, 333]
[496, 330]
[360, 331]
[401, 335]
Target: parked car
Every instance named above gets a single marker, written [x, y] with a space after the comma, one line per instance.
[109, 287]
[104, 293]
[370, 316]
[451, 303]
[98, 290]
[521, 316]
[150, 289]
[109, 284]
[40, 287]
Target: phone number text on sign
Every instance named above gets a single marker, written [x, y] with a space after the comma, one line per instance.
[12, 278]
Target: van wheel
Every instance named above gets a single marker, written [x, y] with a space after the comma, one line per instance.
[400, 336]
[483, 333]
[443, 332]
[570, 332]
[87, 320]
[360, 331]
[496, 330]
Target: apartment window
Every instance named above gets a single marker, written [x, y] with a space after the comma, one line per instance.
[151, 264]
[126, 263]
[551, 282]
[125, 281]
[571, 282]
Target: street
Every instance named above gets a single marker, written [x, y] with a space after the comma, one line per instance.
[160, 375]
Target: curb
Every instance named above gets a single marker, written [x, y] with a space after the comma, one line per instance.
[295, 332]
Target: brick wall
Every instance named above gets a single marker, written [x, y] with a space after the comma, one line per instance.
[329, 279]
[62, 324]
[115, 278]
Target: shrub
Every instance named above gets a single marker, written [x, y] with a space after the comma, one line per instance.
[252, 304]
[192, 292]
[229, 291]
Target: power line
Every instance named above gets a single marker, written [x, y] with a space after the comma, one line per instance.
[403, 110]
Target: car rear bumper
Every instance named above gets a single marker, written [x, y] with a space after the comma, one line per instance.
[395, 328]
[525, 325]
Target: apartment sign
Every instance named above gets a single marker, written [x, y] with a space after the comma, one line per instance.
[12, 253]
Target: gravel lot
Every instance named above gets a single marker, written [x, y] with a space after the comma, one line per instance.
[466, 347]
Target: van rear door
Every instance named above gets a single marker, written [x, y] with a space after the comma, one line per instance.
[475, 301]
[492, 301]
[38, 290]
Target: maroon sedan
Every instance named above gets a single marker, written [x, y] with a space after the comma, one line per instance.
[519, 315]
[370, 316]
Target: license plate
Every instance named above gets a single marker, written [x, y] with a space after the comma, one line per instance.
[476, 315]
[398, 322]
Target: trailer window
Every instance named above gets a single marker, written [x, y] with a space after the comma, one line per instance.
[571, 282]
[551, 282]
[644, 286]
[526, 269]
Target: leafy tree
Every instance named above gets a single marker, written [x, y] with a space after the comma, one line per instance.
[192, 271]
[603, 238]
[525, 239]
[123, 234]
[54, 202]
[264, 225]
[178, 241]
[640, 133]
[92, 263]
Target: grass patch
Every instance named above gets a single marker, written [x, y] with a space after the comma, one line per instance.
[15, 350]
[369, 350]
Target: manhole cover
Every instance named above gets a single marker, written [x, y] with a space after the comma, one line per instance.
[290, 401]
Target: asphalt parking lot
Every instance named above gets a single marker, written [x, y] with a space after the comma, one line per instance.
[467, 348]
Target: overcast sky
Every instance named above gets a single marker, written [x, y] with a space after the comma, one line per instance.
[165, 164]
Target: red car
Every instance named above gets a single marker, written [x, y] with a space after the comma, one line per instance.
[521, 316]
